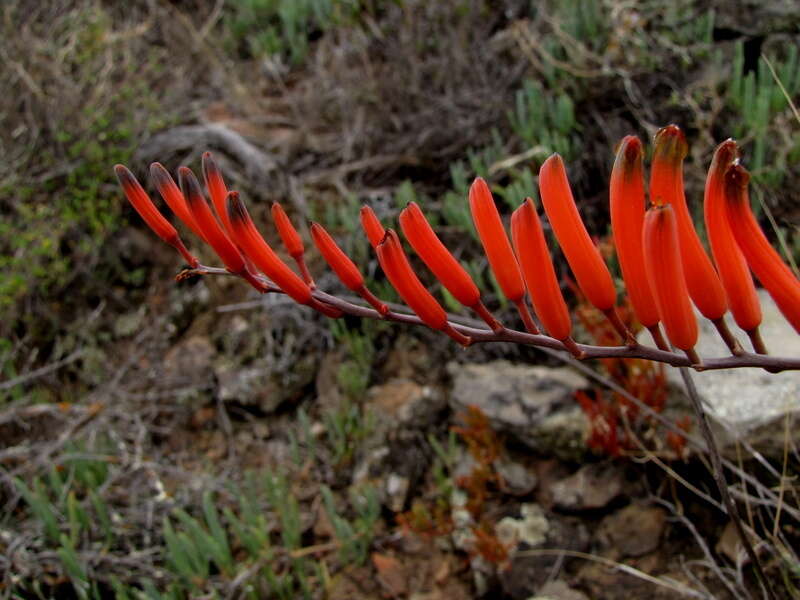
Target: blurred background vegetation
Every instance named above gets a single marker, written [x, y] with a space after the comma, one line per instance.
[322, 105]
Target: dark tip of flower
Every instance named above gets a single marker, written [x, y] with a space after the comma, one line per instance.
[670, 143]
[236, 208]
[386, 235]
[124, 175]
[726, 153]
[190, 186]
[736, 177]
[633, 147]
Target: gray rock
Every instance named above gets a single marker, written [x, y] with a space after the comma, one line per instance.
[749, 404]
[558, 590]
[188, 362]
[405, 403]
[534, 404]
[632, 531]
[592, 486]
[261, 386]
[515, 478]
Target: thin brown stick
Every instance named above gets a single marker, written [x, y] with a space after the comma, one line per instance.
[722, 484]
[745, 359]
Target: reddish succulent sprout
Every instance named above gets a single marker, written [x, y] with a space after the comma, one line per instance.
[174, 198]
[540, 277]
[259, 251]
[627, 220]
[291, 241]
[762, 258]
[372, 226]
[212, 232]
[732, 267]
[498, 249]
[442, 263]
[666, 186]
[583, 257]
[345, 269]
[147, 210]
[667, 281]
[394, 262]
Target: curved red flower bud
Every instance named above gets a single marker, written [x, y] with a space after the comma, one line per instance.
[345, 269]
[732, 267]
[442, 263]
[263, 256]
[627, 220]
[666, 186]
[582, 255]
[372, 226]
[667, 281]
[495, 241]
[537, 268]
[217, 189]
[394, 262]
[437, 257]
[291, 240]
[174, 198]
[147, 210]
[762, 258]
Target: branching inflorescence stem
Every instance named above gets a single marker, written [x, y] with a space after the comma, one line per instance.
[664, 265]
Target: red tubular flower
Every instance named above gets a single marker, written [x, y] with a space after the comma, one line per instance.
[372, 226]
[732, 267]
[394, 262]
[147, 210]
[667, 281]
[263, 256]
[345, 269]
[627, 220]
[217, 189]
[762, 258]
[583, 257]
[441, 262]
[498, 249]
[540, 277]
[291, 241]
[666, 187]
[174, 198]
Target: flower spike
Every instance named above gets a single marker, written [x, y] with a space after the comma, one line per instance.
[582, 255]
[442, 263]
[174, 198]
[148, 211]
[732, 267]
[394, 263]
[665, 273]
[291, 241]
[540, 277]
[498, 249]
[762, 258]
[345, 269]
[212, 232]
[627, 201]
[372, 226]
